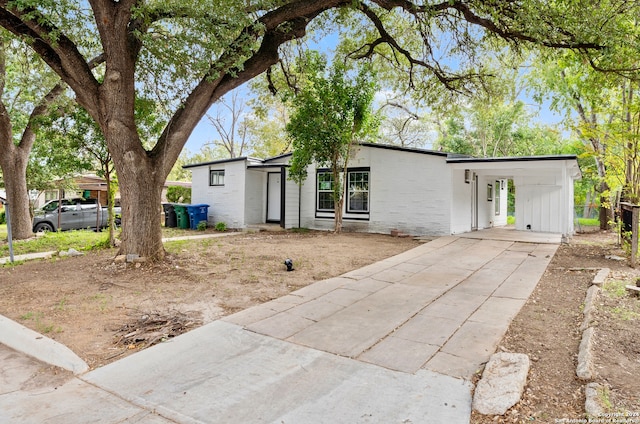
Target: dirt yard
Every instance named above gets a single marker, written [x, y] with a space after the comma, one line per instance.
[105, 311]
[547, 329]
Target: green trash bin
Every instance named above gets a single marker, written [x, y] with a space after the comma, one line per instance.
[182, 216]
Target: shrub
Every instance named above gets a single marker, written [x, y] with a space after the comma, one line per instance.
[178, 194]
[3, 218]
[202, 225]
[221, 226]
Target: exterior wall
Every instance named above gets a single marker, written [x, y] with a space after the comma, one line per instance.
[539, 203]
[227, 202]
[461, 202]
[292, 203]
[255, 197]
[408, 191]
[487, 216]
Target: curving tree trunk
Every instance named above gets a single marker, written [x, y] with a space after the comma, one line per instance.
[13, 161]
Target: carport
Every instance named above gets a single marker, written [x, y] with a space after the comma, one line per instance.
[543, 191]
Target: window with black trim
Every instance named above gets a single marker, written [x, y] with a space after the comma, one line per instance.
[216, 177]
[358, 184]
[325, 191]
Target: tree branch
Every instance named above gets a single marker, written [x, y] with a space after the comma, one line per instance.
[62, 55]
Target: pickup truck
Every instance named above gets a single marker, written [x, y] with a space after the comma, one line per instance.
[72, 214]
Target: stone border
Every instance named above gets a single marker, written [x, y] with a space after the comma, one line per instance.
[584, 369]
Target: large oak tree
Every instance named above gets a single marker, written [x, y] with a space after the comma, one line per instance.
[192, 52]
[27, 95]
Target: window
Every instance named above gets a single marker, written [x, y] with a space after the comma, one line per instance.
[216, 177]
[358, 191]
[325, 191]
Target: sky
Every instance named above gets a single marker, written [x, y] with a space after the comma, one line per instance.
[205, 132]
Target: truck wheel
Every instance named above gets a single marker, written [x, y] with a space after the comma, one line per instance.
[43, 227]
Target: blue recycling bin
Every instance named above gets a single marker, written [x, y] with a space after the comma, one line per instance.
[197, 213]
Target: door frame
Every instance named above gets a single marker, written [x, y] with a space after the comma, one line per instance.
[474, 202]
[280, 220]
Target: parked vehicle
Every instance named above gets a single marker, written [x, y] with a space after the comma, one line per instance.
[72, 214]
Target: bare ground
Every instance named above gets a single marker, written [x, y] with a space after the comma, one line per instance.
[105, 311]
[547, 329]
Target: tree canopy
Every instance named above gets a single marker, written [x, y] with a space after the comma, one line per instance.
[188, 54]
[332, 113]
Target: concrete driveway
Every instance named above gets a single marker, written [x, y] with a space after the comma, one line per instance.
[395, 342]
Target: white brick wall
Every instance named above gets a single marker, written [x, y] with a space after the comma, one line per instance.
[408, 191]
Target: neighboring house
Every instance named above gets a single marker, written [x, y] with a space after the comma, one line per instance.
[88, 186]
[91, 187]
[168, 184]
[418, 192]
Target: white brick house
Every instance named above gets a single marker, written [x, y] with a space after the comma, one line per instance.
[419, 192]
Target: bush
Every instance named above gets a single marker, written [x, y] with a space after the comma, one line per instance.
[3, 218]
[221, 226]
[178, 194]
[202, 225]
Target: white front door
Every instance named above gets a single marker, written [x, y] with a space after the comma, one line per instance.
[273, 197]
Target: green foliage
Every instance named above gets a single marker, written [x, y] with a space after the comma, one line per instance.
[332, 113]
[202, 225]
[615, 288]
[221, 226]
[589, 222]
[3, 217]
[179, 194]
[81, 240]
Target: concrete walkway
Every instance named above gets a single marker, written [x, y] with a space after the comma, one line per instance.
[397, 341]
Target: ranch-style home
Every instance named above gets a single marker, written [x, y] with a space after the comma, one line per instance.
[415, 191]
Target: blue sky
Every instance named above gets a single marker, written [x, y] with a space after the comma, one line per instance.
[205, 132]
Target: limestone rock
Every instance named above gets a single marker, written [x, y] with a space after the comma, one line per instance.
[502, 383]
[584, 370]
[592, 405]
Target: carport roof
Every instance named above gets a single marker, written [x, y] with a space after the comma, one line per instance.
[527, 164]
[510, 159]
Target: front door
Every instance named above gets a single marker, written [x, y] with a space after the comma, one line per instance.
[274, 193]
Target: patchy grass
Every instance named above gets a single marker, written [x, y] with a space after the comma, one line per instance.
[54, 241]
[82, 240]
[615, 288]
[589, 222]
[40, 325]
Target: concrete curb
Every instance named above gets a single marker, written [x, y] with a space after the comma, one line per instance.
[28, 256]
[589, 305]
[29, 342]
[584, 369]
[592, 405]
[202, 236]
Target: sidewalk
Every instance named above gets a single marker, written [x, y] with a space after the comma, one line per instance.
[396, 341]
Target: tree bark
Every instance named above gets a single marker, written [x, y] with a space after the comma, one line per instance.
[13, 162]
[140, 191]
